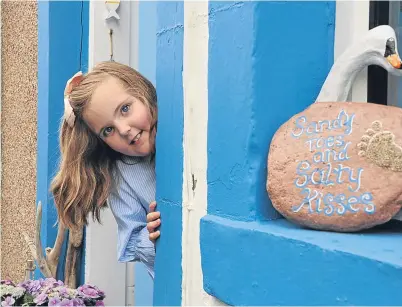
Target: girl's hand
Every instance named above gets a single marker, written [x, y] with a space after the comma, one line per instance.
[153, 222]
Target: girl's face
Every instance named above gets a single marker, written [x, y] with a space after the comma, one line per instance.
[119, 119]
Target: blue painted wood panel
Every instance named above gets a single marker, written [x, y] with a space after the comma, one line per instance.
[169, 148]
[143, 292]
[62, 51]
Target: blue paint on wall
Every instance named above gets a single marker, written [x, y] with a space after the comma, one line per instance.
[85, 35]
[278, 263]
[62, 32]
[267, 61]
[230, 126]
[169, 148]
[143, 292]
[290, 66]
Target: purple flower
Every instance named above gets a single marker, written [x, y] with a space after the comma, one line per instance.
[54, 301]
[78, 302]
[9, 301]
[41, 298]
[33, 287]
[89, 291]
[66, 302]
[51, 282]
[52, 292]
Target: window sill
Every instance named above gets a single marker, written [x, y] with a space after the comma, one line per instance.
[243, 261]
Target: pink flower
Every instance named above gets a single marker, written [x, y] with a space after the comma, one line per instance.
[77, 302]
[89, 291]
[66, 302]
[54, 301]
[9, 301]
[41, 298]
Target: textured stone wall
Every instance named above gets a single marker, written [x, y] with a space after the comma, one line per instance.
[19, 51]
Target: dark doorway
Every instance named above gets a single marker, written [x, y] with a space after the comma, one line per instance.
[377, 78]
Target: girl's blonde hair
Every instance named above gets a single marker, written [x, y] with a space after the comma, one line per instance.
[84, 180]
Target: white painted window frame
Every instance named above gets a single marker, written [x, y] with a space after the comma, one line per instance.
[351, 22]
[101, 265]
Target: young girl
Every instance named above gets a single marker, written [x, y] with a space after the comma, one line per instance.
[107, 144]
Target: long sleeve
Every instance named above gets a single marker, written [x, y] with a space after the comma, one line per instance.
[129, 206]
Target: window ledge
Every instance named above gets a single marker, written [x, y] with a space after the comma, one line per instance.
[243, 261]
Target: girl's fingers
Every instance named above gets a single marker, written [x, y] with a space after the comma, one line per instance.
[153, 222]
[152, 225]
[153, 216]
[154, 235]
[152, 206]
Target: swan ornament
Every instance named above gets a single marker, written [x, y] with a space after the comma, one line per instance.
[377, 47]
[337, 165]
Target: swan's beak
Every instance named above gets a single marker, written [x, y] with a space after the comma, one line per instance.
[395, 61]
[391, 53]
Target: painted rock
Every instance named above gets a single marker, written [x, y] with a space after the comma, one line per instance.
[338, 166]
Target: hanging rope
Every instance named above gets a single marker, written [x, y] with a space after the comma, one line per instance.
[111, 44]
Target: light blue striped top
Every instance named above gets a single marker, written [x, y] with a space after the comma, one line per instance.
[129, 202]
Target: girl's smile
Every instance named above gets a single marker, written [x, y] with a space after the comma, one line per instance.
[136, 139]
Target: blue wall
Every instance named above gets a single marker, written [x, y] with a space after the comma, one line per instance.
[62, 51]
[169, 148]
[146, 65]
[267, 62]
[268, 48]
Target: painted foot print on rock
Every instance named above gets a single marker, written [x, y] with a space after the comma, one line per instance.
[379, 147]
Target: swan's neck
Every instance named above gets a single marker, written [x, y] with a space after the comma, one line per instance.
[342, 75]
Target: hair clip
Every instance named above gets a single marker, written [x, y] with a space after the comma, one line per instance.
[69, 115]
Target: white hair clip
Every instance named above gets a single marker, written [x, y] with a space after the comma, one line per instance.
[69, 115]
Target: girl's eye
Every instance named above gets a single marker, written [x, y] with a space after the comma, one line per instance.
[107, 131]
[125, 108]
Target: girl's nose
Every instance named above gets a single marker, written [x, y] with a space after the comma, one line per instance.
[123, 129]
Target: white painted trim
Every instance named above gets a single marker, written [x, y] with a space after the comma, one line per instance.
[351, 22]
[101, 266]
[195, 91]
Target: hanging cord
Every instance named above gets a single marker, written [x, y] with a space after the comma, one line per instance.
[111, 44]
